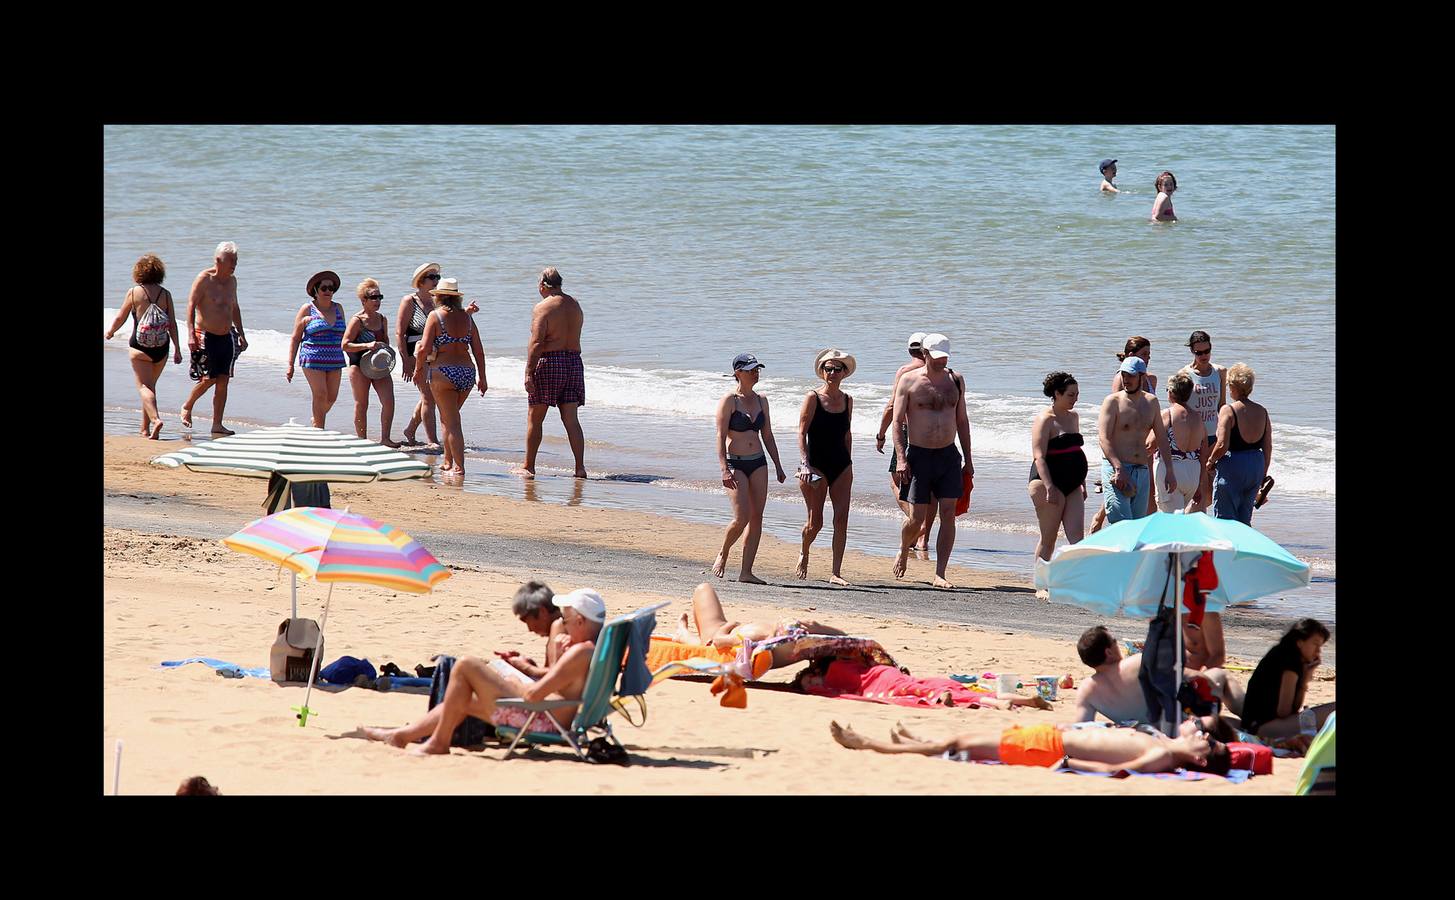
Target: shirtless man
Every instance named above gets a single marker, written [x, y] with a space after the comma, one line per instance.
[213, 300]
[917, 361]
[714, 628]
[554, 375]
[1122, 427]
[1053, 746]
[1112, 689]
[475, 685]
[931, 401]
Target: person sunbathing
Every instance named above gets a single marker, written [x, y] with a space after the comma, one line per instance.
[533, 607]
[714, 628]
[475, 684]
[1112, 689]
[1081, 749]
[831, 677]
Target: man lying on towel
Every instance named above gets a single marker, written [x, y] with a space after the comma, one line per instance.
[475, 685]
[1052, 746]
[714, 628]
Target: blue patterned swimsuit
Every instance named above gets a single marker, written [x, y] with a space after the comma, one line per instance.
[462, 377]
[322, 346]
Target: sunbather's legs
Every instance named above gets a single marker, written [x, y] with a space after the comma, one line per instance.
[474, 686]
[707, 613]
[980, 748]
[407, 734]
[1227, 688]
[1288, 726]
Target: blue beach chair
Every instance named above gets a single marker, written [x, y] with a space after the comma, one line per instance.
[598, 700]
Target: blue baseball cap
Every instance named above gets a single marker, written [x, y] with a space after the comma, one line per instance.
[1105, 163]
[1134, 365]
[745, 361]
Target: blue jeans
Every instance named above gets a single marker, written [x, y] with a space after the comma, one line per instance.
[1119, 506]
[1236, 485]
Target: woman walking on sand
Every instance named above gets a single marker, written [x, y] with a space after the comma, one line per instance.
[318, 337]
[744, 429]
[154, 325]
[414, 309]
[369, 331]
[826, 465]
[446, 371]
[1058, 465]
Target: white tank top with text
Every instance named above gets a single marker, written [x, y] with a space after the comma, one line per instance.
[1204, 399]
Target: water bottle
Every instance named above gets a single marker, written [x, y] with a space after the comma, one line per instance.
[1308, 722]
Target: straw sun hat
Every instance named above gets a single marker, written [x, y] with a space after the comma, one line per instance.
[330, 275]
[449, 287]
[835, 353]
[422, 271]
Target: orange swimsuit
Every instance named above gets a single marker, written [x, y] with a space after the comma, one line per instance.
[1039, 745]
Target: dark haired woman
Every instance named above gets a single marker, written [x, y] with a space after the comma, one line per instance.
[1162, 207]
[1058, 465]
[1276, 691]
[319, 328]
[826, 468]
[744, 430]
[154, 324]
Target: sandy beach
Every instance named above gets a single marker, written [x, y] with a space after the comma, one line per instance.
[172, 591]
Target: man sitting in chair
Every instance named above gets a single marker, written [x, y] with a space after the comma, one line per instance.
[475, 684]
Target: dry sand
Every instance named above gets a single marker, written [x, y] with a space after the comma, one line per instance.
[172, 591]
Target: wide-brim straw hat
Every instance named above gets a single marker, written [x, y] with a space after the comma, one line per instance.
[378, 363]
[326, 273]
[421, 271]
[834, 353]
[449, 287]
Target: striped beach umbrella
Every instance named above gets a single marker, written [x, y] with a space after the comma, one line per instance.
[330, 545]
[297, 453]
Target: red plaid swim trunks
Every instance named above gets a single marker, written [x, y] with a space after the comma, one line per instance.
[559, 378]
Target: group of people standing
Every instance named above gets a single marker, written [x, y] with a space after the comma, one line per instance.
[439, 351]
[1204, 451]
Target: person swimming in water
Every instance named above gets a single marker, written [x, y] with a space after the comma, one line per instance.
[1162, 206]
[1108, 169]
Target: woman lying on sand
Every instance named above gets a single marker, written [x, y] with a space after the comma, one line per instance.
[1082, 749]
[852, 678]
[714, 628]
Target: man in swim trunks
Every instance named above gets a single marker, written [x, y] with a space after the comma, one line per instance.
[214, 322]
[916, 361]
[1065, 746]
[475, 684]
[554, 375]
[931, 402]
[1127, 417]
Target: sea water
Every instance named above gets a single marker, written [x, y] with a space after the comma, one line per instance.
[689, 244]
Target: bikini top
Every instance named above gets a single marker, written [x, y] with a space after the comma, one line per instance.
[444, 336]
[739, 420]
[1236, 442]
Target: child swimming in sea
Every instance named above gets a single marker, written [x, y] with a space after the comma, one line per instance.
[1162, 206]
[1108, 169]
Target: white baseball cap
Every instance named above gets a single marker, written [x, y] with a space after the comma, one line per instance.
[916, 339]
[936, 345]
[585, 601]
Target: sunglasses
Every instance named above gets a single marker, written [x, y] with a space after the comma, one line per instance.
[373, 296]
[326, 287]
[1202, 352]
[432, 276]
[835, 370]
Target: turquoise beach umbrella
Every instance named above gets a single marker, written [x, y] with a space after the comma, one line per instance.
[1123, 568]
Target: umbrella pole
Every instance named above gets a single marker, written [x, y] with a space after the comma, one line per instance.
[304, 711]
[295, 592]
[1177, 604]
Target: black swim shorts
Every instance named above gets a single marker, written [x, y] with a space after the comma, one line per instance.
[932, 473]
[218, 354]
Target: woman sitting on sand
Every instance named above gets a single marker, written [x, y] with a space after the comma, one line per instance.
[1276, 691]
[367, 332]
[714, 628]
[154, 325]
[1058, 465]
[744, 429]
[1061, 746]
[825, 447]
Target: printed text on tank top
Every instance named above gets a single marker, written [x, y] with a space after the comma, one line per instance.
[1206, 389]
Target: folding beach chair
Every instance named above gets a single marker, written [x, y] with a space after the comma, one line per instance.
[1319, 772]
[598, 700]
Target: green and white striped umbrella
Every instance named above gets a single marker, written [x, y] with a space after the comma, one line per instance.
[297, 453]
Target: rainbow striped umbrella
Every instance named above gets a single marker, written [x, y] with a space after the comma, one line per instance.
[337, 545]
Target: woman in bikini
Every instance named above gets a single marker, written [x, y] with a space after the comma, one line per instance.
[318, 337]
[713, 627]
[825, 467]
[154, 324]
[446, 372]
[744, 429]
[367, 332]
[1243, 452]
[1166, 185]
[1058, 465]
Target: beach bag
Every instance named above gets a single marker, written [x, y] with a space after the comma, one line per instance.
[1161, 673]
[292, 656]
[151, 328]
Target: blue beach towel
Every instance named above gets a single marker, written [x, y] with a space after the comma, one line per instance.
[257, 672]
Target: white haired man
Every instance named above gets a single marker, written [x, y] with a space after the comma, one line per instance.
[214, 322]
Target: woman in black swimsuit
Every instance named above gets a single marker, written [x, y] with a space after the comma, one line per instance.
[742, 417]
[154, 321]
[367, 332]
[414, 310]
[826, 469]
[1058, 466]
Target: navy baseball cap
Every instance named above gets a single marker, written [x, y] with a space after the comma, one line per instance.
[745, 361]
[1105, 163]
